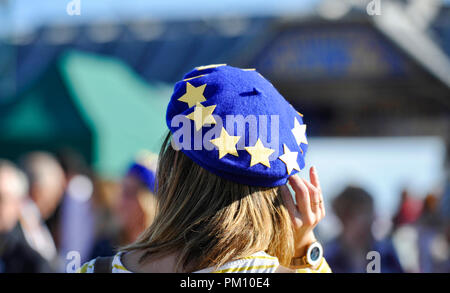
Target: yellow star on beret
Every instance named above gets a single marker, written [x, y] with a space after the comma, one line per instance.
[202, 115]
[290, 159]
[259, 153]
[299, 132]
[226, 143]
[193, 94]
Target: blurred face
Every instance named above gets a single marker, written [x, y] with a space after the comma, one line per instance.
[47, 182]
[358, 225]
[9, 202]
[47, 196]
[129, 210]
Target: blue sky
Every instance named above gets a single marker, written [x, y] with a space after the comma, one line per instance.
[24, 14]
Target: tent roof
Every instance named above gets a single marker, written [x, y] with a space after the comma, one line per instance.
[86, 95]
[126, 113]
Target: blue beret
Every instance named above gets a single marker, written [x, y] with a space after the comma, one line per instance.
[144, 174]
[235, 124]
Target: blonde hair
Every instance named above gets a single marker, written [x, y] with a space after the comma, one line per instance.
[210, 220]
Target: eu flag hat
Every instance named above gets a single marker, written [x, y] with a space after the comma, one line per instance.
[235, 124]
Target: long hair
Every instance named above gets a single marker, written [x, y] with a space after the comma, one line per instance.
[209, 220]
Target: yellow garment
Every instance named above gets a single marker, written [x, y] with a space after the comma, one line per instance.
[259, 262]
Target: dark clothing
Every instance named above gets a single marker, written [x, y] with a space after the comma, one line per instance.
[16, 256]
[339, 258]
[103, 247]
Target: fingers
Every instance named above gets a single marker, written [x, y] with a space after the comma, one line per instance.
[302, 198]
[314, 177]
[309, 198]
[314, 194]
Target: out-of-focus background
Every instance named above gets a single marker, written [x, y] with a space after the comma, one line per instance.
[83, 91]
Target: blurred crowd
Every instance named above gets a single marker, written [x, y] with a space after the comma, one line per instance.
[53, 205]
[418, 239]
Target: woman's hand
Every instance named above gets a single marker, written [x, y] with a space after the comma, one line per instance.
[308, 211]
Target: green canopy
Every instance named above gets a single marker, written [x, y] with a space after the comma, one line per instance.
[93, 104]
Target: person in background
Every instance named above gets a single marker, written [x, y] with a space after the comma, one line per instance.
[40, 214]
[77, 214]
[16, 256]
[404, 232]
[136, 205]
[432, 242]
[409, 210]
[347, 253]
[47, 181]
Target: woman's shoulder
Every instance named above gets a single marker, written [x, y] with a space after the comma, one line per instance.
[116, 265]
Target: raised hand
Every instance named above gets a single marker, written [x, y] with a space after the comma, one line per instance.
[308, 211]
